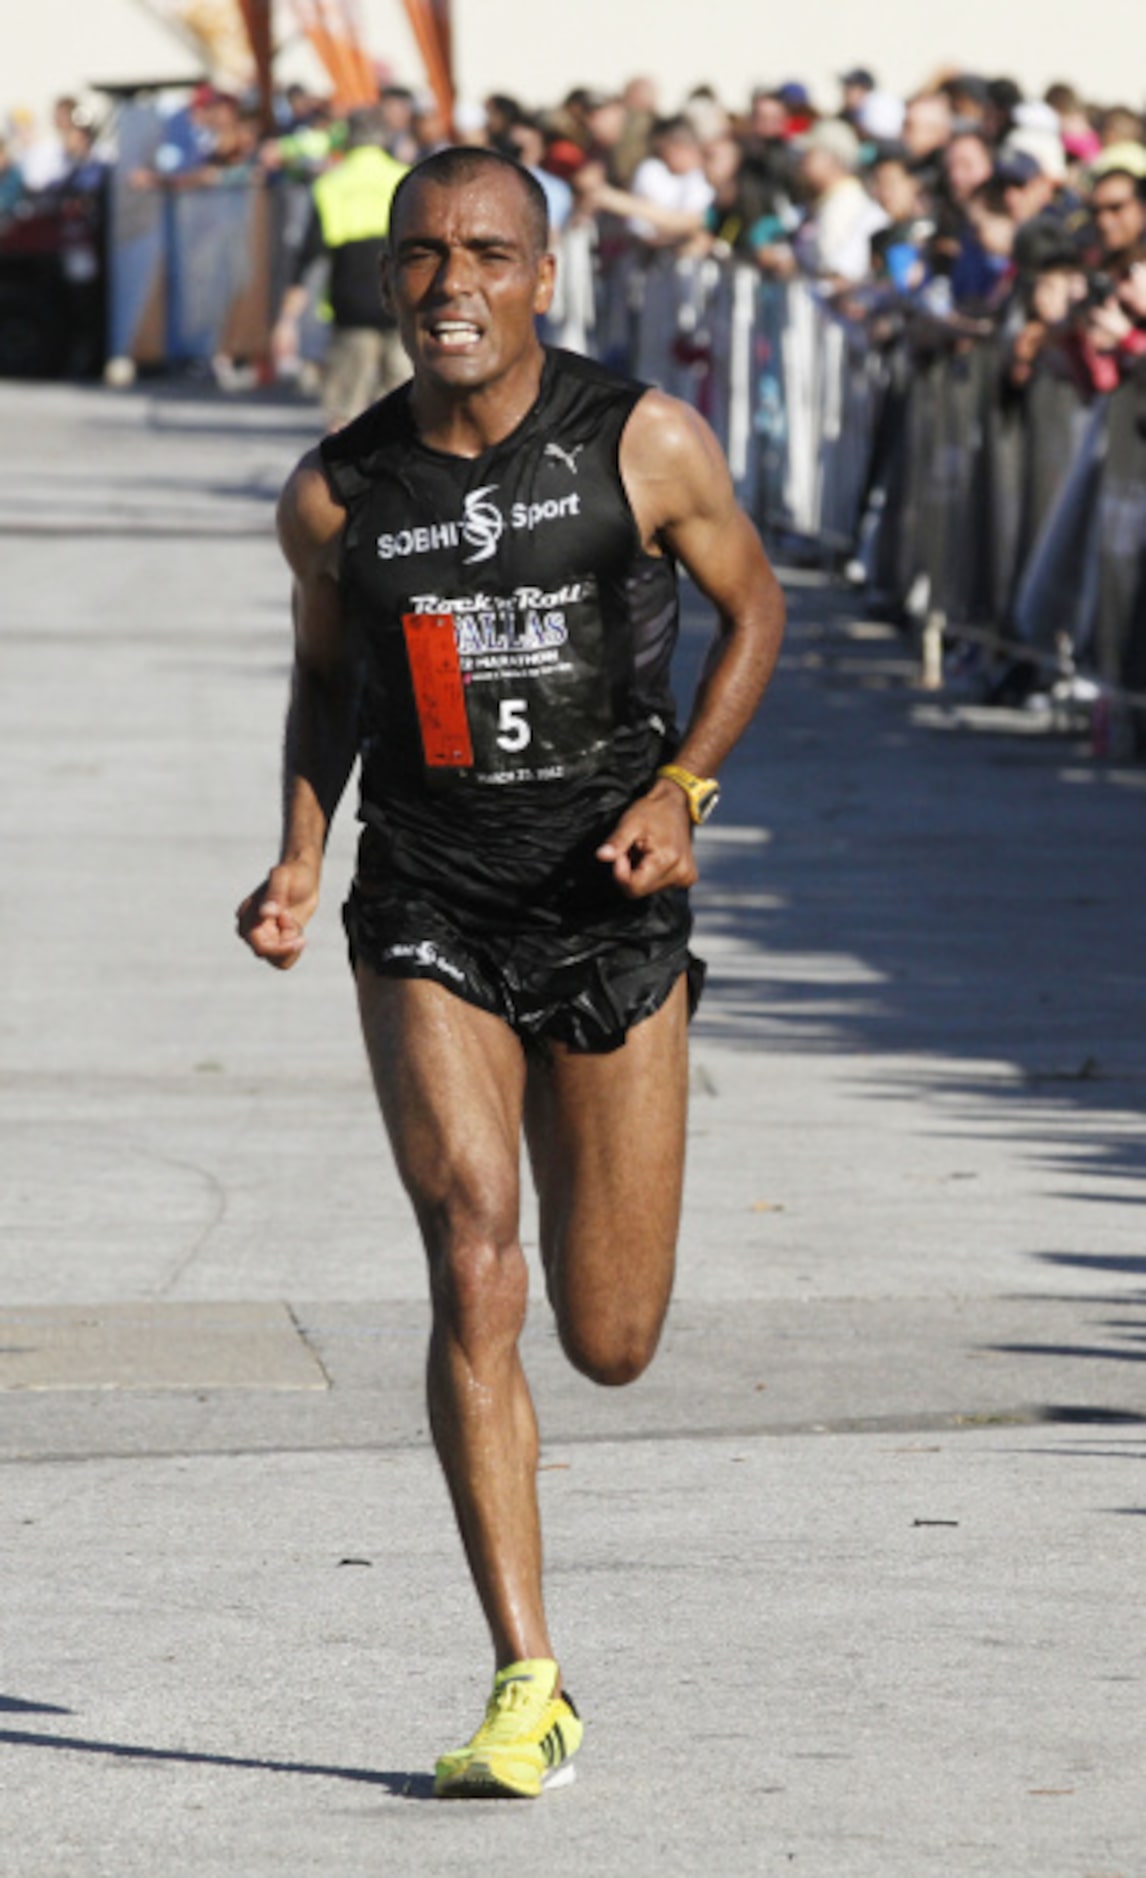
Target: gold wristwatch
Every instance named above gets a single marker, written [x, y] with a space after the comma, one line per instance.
[701, 792]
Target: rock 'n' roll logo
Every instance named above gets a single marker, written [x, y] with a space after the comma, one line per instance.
[482, 525]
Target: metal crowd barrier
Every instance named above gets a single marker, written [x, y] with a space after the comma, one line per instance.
[1017, 518]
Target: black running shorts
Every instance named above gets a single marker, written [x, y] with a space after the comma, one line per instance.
[584, 986]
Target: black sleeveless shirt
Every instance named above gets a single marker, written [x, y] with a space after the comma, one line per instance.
[516, 641]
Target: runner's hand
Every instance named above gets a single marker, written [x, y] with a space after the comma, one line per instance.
[272, 920]
[651, 846]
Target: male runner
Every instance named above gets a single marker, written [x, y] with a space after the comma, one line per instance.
[485, 609]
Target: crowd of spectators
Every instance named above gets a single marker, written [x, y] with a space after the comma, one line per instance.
[968, 200]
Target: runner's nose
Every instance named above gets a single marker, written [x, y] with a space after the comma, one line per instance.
[455, 274]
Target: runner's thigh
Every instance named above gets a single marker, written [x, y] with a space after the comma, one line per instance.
[450, 1080]
[606, 1138]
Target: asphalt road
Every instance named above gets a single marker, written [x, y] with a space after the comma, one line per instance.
[850, 1583]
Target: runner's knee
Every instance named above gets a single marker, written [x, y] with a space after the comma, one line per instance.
[612, 1352]
[478, 1275]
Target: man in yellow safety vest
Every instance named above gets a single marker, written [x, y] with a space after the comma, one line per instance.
[349, 220]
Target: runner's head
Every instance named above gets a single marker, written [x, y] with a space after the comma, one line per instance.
[468, 270]
[468, 163]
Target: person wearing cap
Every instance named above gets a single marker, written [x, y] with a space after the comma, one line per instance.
[1032, 169]
[834, 242]
[349, 222]
[856, 86]
[797, 101]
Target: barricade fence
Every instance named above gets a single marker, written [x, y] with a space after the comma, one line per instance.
[873, 430]
[895, 440]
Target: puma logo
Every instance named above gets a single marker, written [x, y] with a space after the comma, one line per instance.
[568, 457]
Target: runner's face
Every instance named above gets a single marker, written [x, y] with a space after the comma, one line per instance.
[465, 281]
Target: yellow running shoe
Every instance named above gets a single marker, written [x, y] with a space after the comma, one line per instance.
[530, 1733]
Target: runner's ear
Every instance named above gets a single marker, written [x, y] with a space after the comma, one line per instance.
[385, 281]
[546, 281]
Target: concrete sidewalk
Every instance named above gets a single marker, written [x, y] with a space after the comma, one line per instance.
[850, 1583]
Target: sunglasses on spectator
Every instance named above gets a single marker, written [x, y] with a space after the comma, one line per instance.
[1114, 208]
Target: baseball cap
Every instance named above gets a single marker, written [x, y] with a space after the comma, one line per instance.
[835, 138]
[859, 75]
[1015, 168]
[1130, 157]
[1044, 147]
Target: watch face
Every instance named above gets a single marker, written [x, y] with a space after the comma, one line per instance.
[705, 801]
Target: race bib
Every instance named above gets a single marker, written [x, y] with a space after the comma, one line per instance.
[511, 688]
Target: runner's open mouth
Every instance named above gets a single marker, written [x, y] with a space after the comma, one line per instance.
[453, 334]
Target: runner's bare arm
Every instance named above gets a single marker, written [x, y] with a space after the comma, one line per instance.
[682, 496]
[320, 741]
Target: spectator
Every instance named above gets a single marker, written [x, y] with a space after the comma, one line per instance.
[577, 112]
[1003, 97]
[85, 170]
[798, 104]
[527, 144]
[1027, 189]
[726, 221]
[970, 99]
[673, 177]
[880, 118]
[926, 133]
[606, 124]
[968, 162]
[397, 105]
[1081, 141]
[1052, 289]
[900, 249]
[856, 87]
[502, 115]
[1114, 332]
[986, 268]
[350, 216]
[45, 161]
[1118, 205]
[1120, 124]
[706, 114]
[639, 102]
[11, 181]
[741, 216]
[188, 136]
[431, 131]
[768, 153]
[834, 242]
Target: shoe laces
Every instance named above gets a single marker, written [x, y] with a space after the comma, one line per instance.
[508, 1706]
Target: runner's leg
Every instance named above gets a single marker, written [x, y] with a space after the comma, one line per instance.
[450, 1081]
[606, 1138]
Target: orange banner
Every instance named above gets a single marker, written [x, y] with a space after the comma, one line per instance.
[430, 25]
[334, 37]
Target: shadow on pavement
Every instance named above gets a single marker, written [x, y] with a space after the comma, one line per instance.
[404, 1786]
[1115, 1339]
[970, 903]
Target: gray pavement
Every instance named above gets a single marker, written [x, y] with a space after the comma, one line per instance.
[850, 1582]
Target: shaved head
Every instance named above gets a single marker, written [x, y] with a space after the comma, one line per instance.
[467, 163]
